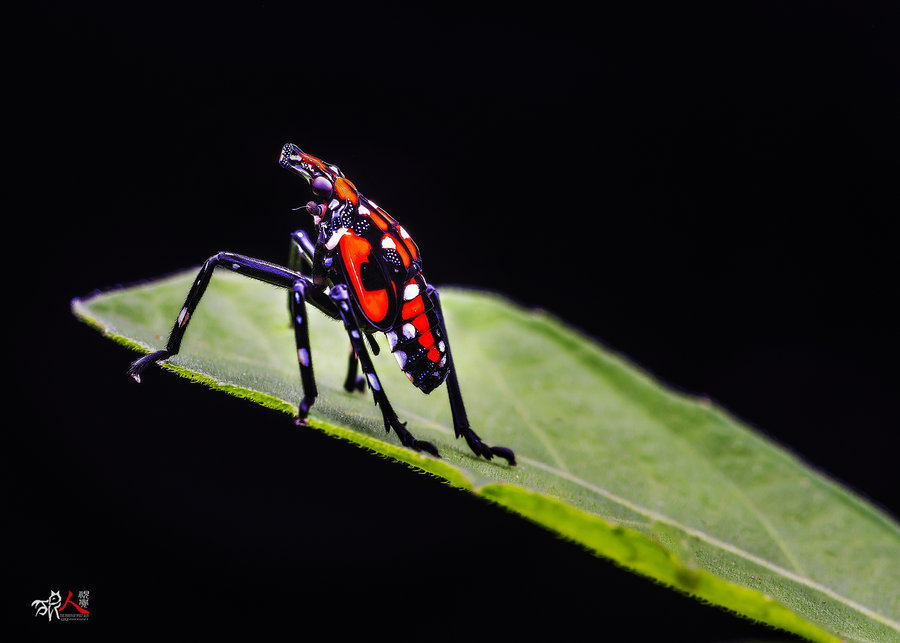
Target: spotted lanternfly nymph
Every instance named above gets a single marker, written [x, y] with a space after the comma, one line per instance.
[365, 270]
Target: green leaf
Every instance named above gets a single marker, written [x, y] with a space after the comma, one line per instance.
[663, 484]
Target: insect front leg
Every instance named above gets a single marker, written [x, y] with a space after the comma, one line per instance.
[341, 296]
[308, 257]
[301, 253]
[301, 334]
[457, 407]
[302, 258]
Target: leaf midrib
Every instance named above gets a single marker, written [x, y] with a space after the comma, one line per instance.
[678, 439]
[690, 531]
[517, 407]
[711, 540]
[798, 575]
[721, 476]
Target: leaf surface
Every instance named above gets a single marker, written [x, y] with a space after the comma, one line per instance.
[669, 486]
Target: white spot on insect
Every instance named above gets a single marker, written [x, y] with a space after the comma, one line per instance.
[400, 356]
[363, 210]
[299, 319]
[303, 356]
[409, 331]
[443, 361]
[334, 205]
[373, 381]
[392, 338]
[297, 297]
[411, 290]
[373, 204]
[183, 317]
[235, 266]
[354, 334]
[335, 238]
[387, 242]
[403, 232]
[442, 346]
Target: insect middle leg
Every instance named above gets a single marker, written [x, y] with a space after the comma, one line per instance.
[341, 297]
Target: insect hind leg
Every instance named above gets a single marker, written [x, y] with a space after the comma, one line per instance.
[457, 407]
[341, 297]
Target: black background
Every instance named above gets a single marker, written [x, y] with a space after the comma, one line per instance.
[710, 191]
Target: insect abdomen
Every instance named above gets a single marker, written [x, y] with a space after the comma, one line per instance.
[417, 341]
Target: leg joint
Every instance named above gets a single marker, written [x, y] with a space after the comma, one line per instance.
[339, 293]
[299, 288]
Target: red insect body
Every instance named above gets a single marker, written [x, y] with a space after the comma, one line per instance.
[380, 262]
[375, 304]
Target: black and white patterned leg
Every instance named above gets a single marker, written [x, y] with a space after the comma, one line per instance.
[304, 357]
[301, 259]
[353, 382]
[341, 297]
[248, 266]
[457, 407]
[302, 251]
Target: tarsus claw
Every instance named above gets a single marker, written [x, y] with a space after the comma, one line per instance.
[428, 447]
[138, 365]
[505, 453]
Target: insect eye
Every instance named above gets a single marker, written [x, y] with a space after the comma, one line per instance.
[321, 187]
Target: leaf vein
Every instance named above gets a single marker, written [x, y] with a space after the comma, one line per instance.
[712, 540]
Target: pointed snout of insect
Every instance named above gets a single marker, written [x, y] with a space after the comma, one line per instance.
[290, 159]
